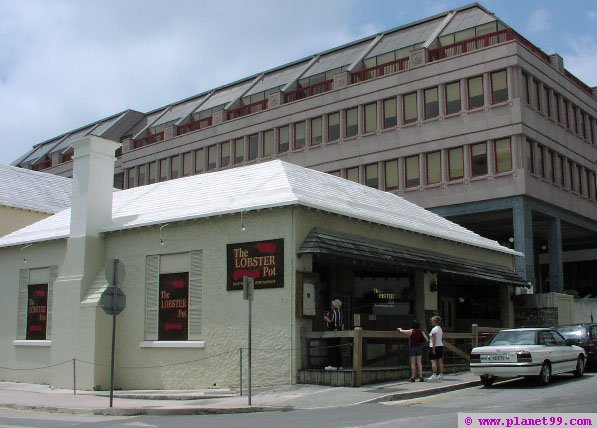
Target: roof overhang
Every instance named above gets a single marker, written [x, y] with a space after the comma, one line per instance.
[351, 247]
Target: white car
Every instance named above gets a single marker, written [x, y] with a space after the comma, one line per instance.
[528, 352]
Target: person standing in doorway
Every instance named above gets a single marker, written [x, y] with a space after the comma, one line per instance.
[415, 349]
[436, 348]
[334, 322]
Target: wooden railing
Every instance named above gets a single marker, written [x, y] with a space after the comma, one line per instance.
[193, 126]
[149, 139]
[308, 91]
[42, 165]
[248, 109]
[457, 346]
[380, 70]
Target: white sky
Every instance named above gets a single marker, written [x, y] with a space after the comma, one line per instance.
[66, 63]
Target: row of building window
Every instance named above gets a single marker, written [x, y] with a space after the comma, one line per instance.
[338, 125]
[553, 167]
[432, 168]
[556, 107]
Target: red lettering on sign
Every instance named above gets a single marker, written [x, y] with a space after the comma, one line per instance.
[40, 293]
[35, 328]
[173, 326]
[178, 284]
[266, 247]
[238, 274]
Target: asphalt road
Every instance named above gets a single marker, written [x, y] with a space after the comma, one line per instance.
[564, 395]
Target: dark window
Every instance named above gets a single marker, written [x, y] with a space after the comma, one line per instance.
[300, 132]
[132, 178]
[409, 107]
[531, 157]
[352, 122]
[479, 159]
[453, 104]
[316, 131]
[199, 161]
[537, 94]
[413, 177]
[526, 93]
[540, 162]
[212, 157]
[142, 175]
[389, 113]
[503, 155]
[186, 163]
[37, 311]
[391, 174]
[571, 175]
[253, 146]
[475, 92]
[239, 150]
[372, 176]
[552, 165]
[352, 174]
[333, 126]
[547, 100]
[225, 154]
[284, 143]
[174, 166]
[562, 171]
[173, 306]
[268, 143]
[371, 117]
[434, 167]
[431, 103]
[164, 170]
[499, 87]
[455, 163]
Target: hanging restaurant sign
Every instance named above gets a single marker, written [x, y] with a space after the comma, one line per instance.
[173, 306]
[37, 311]
[263, 261]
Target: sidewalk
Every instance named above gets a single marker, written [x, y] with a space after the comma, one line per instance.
[218, 401]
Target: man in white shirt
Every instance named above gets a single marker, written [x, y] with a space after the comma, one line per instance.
[436, 348]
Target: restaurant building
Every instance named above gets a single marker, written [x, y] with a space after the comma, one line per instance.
[306, 237]
[457, 112]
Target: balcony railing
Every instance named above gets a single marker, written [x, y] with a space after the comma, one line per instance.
[473, 44]
[248, 109]
[42, 165]
[308, 91]
[66, 157]
[150, 139]
[193, 126]
[380, 70]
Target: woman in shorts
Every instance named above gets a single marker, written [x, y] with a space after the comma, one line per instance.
[415, 349]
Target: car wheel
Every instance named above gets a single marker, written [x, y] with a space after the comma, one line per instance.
[545, 374]
[580, 367]
[487, 381]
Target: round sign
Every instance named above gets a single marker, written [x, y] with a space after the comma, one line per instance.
[114, 272]
[113, 301]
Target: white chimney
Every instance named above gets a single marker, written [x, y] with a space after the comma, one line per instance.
[93, 184]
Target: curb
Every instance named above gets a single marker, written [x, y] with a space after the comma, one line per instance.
[399, 396]
[179, 412]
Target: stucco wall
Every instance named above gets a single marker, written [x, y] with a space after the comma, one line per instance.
[12, 219]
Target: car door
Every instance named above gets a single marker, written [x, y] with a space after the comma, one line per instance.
[563, 356]
[545, 339]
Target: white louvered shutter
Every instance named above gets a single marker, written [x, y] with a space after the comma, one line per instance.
[22, 310]
[196, 295]
[152, 286]
[53, 276]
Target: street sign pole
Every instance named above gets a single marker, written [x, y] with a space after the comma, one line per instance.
[248, 291]
[113, 335]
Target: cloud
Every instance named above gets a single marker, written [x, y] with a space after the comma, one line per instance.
[581, 59]
[68, 63]
[538, 21]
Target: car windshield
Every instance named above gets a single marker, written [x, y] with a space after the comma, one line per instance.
[572, 331]
[511, 337]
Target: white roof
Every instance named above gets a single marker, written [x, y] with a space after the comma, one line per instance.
[33, 190]
[264, 185]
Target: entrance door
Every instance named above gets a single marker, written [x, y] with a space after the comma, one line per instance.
[446, 306]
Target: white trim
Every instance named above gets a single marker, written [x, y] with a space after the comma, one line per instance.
[41, 343]
[172, 344]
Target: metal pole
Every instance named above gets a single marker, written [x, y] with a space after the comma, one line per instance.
[113, 337]
[74, 377]
[249, 368]
[240, 364]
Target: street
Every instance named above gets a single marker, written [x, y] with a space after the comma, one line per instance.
[564, 395]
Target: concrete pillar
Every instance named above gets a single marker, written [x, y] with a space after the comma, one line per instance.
[441, 99]
[554, 245]
[341, 80]
[506, 306]
[522, 219]
[486, 89]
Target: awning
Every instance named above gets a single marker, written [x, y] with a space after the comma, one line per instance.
[379, 252]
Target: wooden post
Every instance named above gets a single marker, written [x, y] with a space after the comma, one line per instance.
[357, 356]
[475, 331]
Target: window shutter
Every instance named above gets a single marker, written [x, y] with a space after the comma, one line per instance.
[152, 286]
[196, 295]
[22, 310]
[53, 276]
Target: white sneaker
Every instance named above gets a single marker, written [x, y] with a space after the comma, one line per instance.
[433, 378]
[330, 368]
[440, 377]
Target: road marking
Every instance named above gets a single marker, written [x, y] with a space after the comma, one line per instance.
[139, 424]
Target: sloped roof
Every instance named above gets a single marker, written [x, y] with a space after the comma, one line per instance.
[32, 190]
[265, 185]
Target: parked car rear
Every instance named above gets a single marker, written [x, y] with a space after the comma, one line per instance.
[583, 335]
